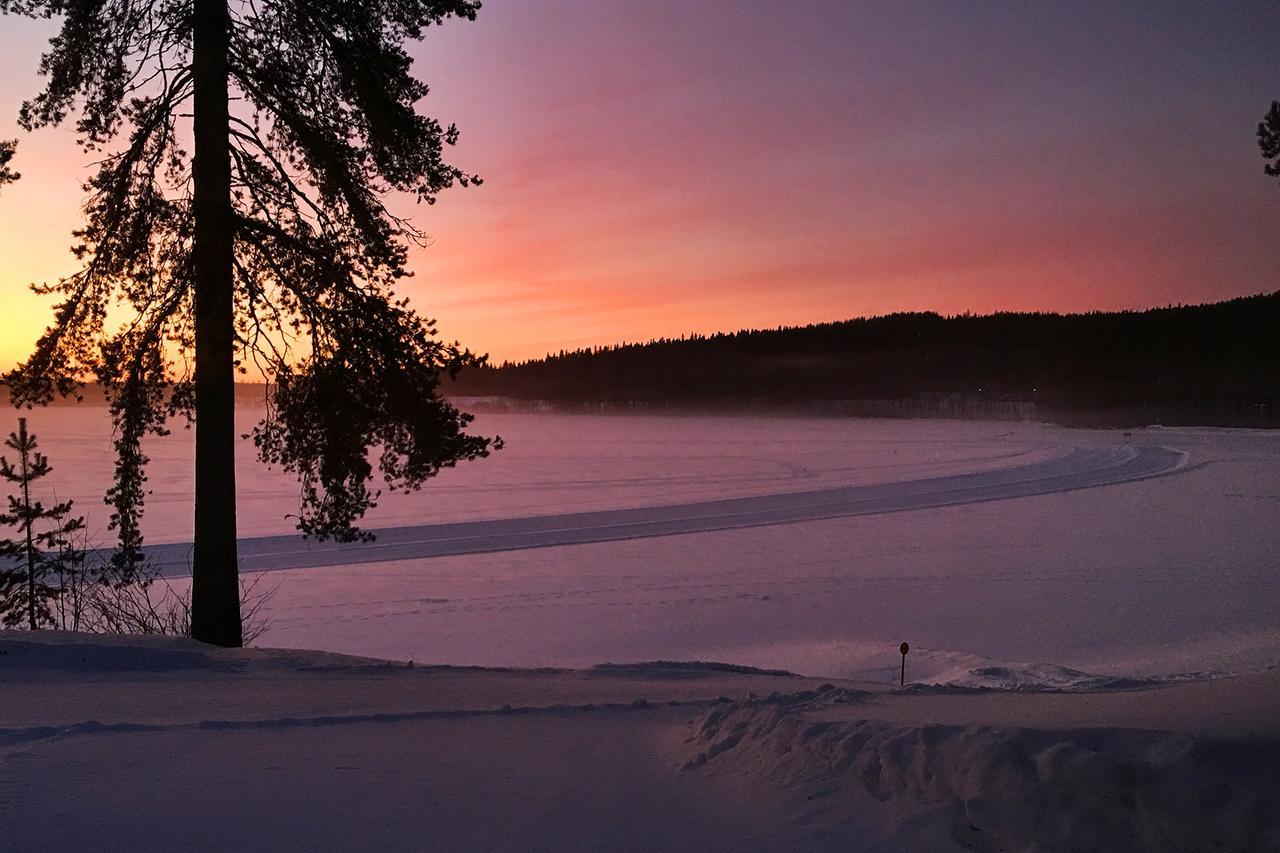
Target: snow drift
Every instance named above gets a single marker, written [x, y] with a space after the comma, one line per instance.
[1005, 788]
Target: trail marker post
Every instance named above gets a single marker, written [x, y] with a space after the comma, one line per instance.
[902, 678]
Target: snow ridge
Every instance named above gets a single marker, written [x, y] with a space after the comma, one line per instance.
[1006, 788]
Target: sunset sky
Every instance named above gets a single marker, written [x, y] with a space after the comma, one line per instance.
[657, 168]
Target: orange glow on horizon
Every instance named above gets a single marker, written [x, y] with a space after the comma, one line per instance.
[738, 181]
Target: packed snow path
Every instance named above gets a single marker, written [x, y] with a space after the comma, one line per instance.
[1079, 468]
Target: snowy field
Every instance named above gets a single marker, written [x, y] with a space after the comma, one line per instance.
[146, 743]
[1111, 583]
[1006, 554]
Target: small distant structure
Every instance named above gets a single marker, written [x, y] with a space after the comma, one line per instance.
[1128, 437]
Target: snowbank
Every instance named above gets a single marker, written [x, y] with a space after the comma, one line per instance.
[1006, 789]
[102, 653]
[157, 744]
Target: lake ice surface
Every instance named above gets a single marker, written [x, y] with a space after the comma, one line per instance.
[1176, 576]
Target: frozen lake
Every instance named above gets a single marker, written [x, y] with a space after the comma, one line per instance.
[1001, 552]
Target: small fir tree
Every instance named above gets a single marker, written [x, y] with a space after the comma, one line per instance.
[67, 565]
[45, 545]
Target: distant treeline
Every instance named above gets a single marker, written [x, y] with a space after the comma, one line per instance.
[1213, 364]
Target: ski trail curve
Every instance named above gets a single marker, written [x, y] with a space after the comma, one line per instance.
[1080, 468]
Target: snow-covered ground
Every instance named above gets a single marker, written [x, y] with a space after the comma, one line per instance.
[1165, 577]
[150, 744]
[1119, 595]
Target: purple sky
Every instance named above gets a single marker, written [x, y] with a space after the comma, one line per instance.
[655, 168]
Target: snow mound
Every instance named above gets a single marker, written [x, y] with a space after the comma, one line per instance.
[65, 650]
[61, 651]
[1010, 789]
[682, 669]
[1039, 677]
[959, 672]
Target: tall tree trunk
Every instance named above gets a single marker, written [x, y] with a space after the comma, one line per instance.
[215, 585]
[26, 506]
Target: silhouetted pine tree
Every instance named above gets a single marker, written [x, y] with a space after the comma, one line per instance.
[1269, 139]
[67, 571]
[44, 545]
[267, 243]
[7, 175]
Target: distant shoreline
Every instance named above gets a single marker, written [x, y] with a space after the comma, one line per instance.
[1214, 365]
[1202, 365]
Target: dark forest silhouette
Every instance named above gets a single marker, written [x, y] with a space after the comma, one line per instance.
[1211, 364]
